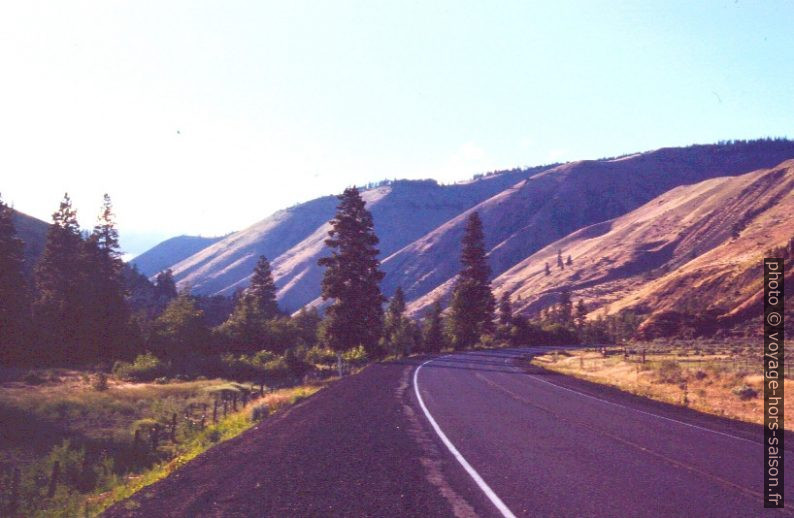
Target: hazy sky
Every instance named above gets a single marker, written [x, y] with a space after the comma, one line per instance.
[204, 117]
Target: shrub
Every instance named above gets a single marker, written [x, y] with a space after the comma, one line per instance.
[356, 355]
[32, 378]
[259, 412]
[320, 355]
[699, 375]
[146, 367]
[744, 392]
[100, 382]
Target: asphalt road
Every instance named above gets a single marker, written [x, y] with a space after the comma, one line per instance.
[473, 434]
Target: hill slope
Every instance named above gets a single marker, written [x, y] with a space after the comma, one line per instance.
[694, 250]
[546, 207]
[169, 252]
[293, 238]
[33, 232]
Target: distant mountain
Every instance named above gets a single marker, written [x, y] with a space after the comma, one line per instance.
[33, 232]
[293, 239]
[693, 252]
[169, 252]
[547, 206]
[420, 223]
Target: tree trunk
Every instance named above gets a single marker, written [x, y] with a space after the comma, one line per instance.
[339, 363]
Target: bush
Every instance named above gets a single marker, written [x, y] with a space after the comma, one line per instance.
[744, 392]
[260, 412]
[320, 355]
[146, 367]
[100, 382]
[31, 378]
[356, 355]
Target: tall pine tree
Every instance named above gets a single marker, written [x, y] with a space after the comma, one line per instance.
[59, 307]
[105, 329]
[473, 304]
[14, 301]
[352, 277]
[263, 289]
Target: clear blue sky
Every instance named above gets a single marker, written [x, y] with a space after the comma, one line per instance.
[204, 117]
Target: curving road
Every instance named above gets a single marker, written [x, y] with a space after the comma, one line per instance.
[473, 434]
[548, 445]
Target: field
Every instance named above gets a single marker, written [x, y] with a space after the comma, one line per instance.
[73, 442]
[717, 378]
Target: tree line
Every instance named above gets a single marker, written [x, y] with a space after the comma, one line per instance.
[84, 306]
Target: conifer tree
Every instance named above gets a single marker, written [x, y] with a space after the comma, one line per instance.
[472, 307]
[560, 264]
[505, 310]
[352, 278]
[581, 313]
[165, 287]
[14, 301]
[547, 270]
[565, 311]
[263, 288]
[397, 338]
[105, 328]
[569, 261]
[59, 307]
[433, 333]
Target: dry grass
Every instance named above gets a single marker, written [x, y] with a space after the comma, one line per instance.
[714, 381]
[54, 405]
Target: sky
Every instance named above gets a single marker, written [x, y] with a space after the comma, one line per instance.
[202, 118]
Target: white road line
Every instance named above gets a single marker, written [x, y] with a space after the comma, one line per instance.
[495, 500]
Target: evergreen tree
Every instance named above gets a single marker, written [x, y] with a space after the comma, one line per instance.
[433, 333]
[14, 301]
[505, 310]
[59, 307]
[246, 328]
[472, 307]
[581, 313]
[565, 311]
[263, 288]
[397, 336]
[547, 270]
[180, 331]
[560, 264]
[105, 327]
[352, 278]
[569, 261]
[165, 286]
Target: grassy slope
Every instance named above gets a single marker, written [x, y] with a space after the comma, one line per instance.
[705, 378]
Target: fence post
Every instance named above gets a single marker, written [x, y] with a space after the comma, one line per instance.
[155, 436]
[56, 468]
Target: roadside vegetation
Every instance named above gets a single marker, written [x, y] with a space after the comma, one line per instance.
[715, 377]
[110, 381]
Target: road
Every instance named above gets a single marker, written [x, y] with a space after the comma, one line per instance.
[473, 434]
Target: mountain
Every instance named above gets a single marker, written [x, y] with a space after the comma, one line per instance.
[169, 252]
[420, 223]
[693, 252]
[33, 232]
[293, 239]
[549, 205]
